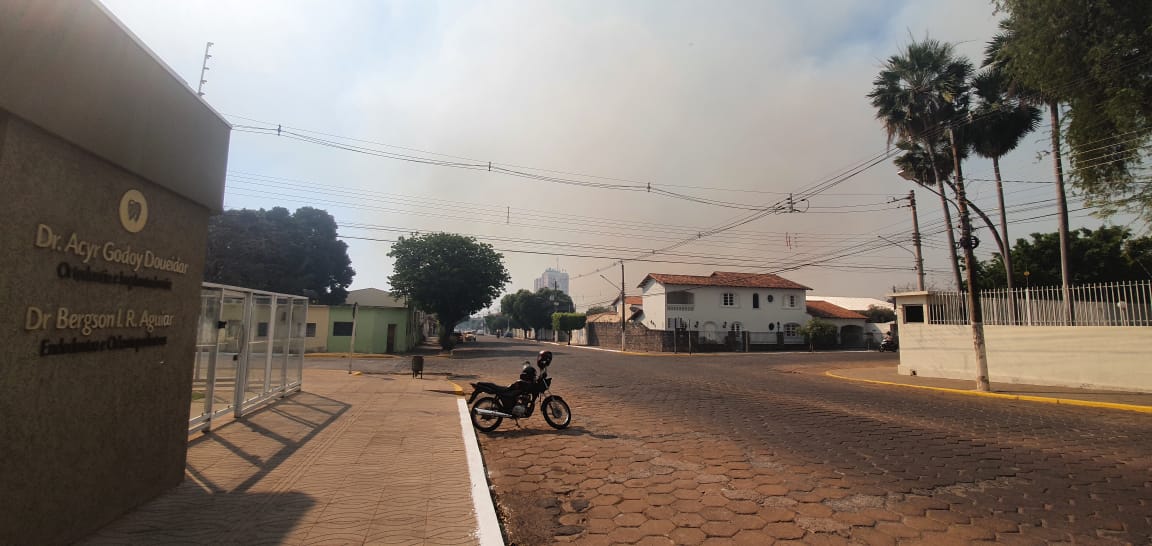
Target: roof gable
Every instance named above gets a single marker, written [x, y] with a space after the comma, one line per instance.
[823, 309]
[726, 278]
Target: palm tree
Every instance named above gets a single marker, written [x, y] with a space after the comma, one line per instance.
[915, 96]
[996, 55]
[999, 123]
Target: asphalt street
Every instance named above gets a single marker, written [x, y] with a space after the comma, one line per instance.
[755, 449]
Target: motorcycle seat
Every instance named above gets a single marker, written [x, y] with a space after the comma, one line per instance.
[487, 386]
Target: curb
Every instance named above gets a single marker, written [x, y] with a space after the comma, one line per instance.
[1022, 397]
[488, 532]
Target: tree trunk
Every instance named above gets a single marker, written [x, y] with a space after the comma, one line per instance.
[1006, 252]
[1062, 209]
[947, 216]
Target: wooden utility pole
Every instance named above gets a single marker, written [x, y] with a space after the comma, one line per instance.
[916, 241]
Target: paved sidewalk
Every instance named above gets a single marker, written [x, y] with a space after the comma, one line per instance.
[354, 459]
[1130, 401]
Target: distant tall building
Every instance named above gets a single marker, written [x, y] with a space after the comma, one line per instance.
[552, 278]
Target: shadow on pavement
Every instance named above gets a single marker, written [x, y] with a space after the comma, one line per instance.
[214, 504]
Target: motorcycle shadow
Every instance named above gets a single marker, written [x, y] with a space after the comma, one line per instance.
[570, 431]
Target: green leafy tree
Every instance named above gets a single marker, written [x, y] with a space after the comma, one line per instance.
[818, 333]
[510, 305]
[597, 309]
[1107, 254]
[879, 314]
[566, 322]
[274, 250]
[450, 275]
[1090, 55]
[494, 322]
[918, 92]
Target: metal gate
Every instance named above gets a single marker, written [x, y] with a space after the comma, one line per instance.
[249, 350]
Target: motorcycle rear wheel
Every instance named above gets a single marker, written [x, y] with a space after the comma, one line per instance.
[556, 412]
[486, 423]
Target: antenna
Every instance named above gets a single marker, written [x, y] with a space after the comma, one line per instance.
[203, 68]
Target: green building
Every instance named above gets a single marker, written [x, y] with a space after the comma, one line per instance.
[384, 324]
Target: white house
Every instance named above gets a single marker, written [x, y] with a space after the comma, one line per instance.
[725, 302]
[850, 325]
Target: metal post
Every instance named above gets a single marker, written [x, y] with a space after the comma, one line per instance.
[916, 241]
[203, 68]
[623, 308]
[352, 342]
[967, 242]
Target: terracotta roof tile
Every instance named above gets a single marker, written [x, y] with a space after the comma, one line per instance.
[726, 278]
[823, 309]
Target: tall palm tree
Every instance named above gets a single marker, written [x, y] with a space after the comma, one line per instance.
[996, 55]
[1000, 121]
[915, 96]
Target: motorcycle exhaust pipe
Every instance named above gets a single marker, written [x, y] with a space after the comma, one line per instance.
[492, 413]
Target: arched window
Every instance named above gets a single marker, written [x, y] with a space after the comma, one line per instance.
[755, 301]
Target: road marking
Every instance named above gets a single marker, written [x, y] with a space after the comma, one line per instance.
[488, 525]
[1024, 397]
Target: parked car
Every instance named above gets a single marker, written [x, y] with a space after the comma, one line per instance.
[469, 336]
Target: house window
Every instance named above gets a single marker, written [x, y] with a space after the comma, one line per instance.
[791, 329]
[310, 329]
[729, 299]
[736, 328]
[341, 329]
[790, 302]
[913, 313]
[755, 301]
[681, 298]
[262, 329]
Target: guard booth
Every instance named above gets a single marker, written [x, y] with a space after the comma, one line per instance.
[249, 351]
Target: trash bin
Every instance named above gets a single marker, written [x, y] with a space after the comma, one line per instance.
[418, 366]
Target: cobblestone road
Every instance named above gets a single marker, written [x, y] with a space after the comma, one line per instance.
[736, 449]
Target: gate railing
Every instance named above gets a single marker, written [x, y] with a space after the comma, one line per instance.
[1104, 304]
[249, 350]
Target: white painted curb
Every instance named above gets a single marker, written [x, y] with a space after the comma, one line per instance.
[488, 525]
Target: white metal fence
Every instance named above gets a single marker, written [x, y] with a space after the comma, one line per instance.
[249, 350]
[1106, 304]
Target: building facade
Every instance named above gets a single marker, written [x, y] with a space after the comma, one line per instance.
[552, 278]
[724, 303]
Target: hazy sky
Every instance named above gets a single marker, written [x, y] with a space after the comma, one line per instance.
[734, 102]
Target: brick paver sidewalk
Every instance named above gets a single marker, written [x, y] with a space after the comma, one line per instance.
[354, 459]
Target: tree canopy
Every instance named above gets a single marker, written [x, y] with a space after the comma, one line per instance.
[533, 310]
[278, 251]
[879, 314]
[595, 309]
[1090, 55]
[1107, 254]
[450, 275]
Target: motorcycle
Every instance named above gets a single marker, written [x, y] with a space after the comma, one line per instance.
[888, 345]
[518, 400]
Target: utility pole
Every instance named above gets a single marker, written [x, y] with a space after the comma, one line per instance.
[623, 307]
[967, 242]
[203, 68]
[916, 241]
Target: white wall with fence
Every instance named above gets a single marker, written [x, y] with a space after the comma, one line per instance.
[249, 351]
[1102, 340]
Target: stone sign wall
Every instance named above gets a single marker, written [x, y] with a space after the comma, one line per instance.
[109, 168]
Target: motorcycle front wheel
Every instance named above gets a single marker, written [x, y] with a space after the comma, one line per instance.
[486, 423]
[556, 412]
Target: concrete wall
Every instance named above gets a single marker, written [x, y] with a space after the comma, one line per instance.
[1098, 357]
[105, 159]
[318, 315]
